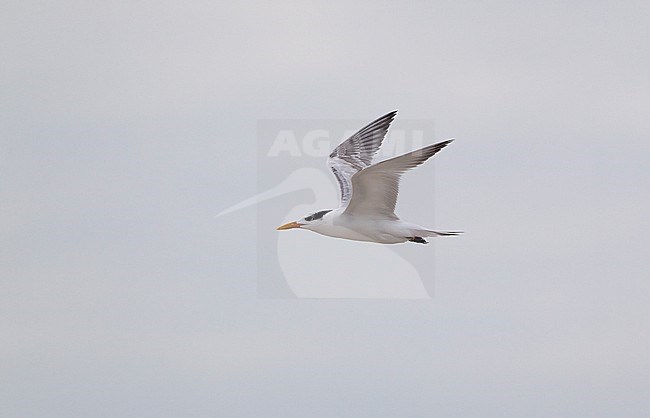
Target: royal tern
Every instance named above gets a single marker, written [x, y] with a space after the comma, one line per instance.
[369, 191]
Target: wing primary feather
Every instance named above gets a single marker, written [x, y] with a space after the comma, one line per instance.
[357, 152]
[361, 147]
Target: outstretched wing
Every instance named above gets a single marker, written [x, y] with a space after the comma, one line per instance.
[375, 188]
[356, 153]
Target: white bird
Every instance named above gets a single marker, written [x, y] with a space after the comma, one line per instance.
[369, 191]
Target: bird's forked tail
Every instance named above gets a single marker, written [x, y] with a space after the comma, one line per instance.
[430, 233]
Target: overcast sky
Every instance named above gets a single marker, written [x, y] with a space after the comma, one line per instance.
[126, 126]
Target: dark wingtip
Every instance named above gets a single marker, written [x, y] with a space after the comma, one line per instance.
[441, 145]
[390, 115]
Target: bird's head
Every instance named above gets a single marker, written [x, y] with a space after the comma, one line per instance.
[307, 221]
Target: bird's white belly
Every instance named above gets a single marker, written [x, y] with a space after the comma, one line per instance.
[380, 231]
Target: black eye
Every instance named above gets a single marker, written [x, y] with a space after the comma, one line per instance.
[309, 218]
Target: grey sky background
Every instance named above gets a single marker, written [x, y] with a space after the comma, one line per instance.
[126, 126]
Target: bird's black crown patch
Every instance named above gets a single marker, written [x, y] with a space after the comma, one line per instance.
[317, 215]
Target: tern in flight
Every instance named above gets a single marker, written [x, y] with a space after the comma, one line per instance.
[369, 191]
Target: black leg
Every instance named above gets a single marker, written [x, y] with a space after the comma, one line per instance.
[419, 240]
